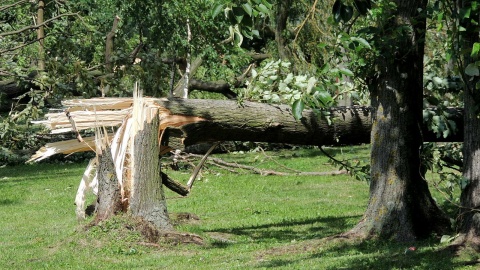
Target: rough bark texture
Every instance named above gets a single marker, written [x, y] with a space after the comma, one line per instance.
[282, 17]
[250, 121]
[147, 196]
[213, 87]
[109, 199]
[470, 197]
[41, 35]
[400, 205]
[109, 45]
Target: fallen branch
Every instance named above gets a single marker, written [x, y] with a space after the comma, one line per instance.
[224, 164]
[174, 186]
[200, 165]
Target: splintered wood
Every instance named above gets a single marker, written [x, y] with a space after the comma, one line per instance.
[94, 113]
[126, 117]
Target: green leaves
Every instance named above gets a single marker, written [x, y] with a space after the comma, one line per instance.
[472, 70]
[217, 10]
[297, 109]
[362, 6]
[275, 83]
[475, 50]
[361, 41]
[346, 71]
[343, 12]
[242, 18]
[248, 9]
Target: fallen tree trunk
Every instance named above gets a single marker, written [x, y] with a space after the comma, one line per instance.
[225, 120]
[196, 121]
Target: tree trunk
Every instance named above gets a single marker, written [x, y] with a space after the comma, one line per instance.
[196, 121]
[225, 120]
[470, 197]
[400, 204]
[109, 45]
[41, 35]
[109, 199]
[282, 17]
[147, 199]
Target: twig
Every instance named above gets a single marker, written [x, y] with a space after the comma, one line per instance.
[34, 27]
[278, 163]
[22, 45]
[2, 8]
[335, 160]
[199, 166]
[173, 185]
[272, 172]
[74, 127]
[310, 13]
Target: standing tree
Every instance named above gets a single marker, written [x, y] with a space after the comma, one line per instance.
[470, 197]
[400, 204]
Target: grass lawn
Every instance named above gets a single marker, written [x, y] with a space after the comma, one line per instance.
[247, 221]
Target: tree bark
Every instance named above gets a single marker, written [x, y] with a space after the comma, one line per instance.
[147, 199]
[282, 17]
[109, 45]
[400, 205]
[109, 199]
[41, 35]
[470, 197]
[225, 120]
[212, 87]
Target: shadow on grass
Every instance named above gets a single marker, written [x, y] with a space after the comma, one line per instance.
[368, 255]
[7, 202]
[292, 230]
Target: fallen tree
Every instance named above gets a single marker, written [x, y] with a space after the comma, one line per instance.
[225, 120]
[152, 125]
[196, 121]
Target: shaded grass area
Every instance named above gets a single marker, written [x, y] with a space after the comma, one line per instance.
[247, 222]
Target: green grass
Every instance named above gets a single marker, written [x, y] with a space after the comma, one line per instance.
[247, 222]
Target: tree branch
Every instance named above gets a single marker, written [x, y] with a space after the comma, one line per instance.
[35, 27]
[2, 8]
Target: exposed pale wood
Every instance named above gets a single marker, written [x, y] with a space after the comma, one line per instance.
[192, 178]
[98, 104]
[89, 180]
[64, 147]
[60, 123]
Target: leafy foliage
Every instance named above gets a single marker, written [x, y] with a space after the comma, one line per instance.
[244, 18]
[446, 161]
[275, 83]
